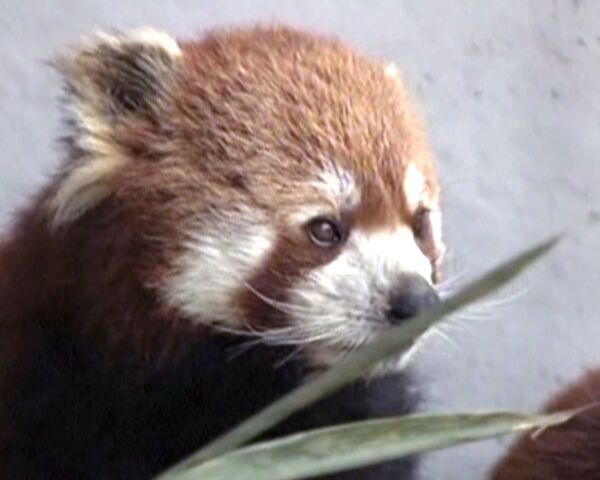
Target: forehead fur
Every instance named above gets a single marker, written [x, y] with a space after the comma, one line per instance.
[268, 112]
[288, 106]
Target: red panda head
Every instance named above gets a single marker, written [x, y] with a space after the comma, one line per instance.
[277, 182]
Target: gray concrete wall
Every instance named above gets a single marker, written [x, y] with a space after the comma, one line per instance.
[510, 90]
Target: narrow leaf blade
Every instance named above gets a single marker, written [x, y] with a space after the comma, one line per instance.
[359, 444]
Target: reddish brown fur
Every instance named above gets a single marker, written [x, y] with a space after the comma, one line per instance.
[245, 118]
[369, 127]
[178, 146]
[567, 452]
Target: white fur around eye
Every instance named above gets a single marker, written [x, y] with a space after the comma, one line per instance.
[337, 191]
[340, 187]
[217, 261]
[414, 187]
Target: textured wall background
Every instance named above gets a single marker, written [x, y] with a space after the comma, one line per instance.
[510, 92]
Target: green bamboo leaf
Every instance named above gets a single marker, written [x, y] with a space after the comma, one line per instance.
[335, 449]
[394, 340]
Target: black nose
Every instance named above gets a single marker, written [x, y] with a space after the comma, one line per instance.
[414, 294]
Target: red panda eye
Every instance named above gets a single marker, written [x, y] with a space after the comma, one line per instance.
[325, 232]
[422, 224]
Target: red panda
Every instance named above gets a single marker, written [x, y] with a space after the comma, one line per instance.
[234, 213]
[567, 452]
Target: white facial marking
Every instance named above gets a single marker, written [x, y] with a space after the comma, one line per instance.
[414, 186]
[340, 187]
[218, 260]
[342, 303]
[391, 70]
[339, 192]
[306, 212]
[389, 254]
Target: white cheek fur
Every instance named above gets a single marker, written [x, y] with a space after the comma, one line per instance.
[343, 302]
[218, 259]
[335, 308]
[414, 187]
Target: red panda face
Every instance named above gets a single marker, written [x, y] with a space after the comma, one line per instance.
[281, 183]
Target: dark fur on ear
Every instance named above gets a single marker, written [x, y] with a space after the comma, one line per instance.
[114, 84]
[567, 452]
[122, 73]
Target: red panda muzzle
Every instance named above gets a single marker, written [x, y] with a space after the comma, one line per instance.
[414, 296]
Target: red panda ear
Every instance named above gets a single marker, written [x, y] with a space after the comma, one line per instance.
[120, 74]
[111, 81]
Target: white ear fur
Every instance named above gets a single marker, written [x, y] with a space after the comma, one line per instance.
[106, 79]
[391, 70]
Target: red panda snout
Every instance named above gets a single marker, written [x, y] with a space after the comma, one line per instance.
[378, 279]
[414, 296]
